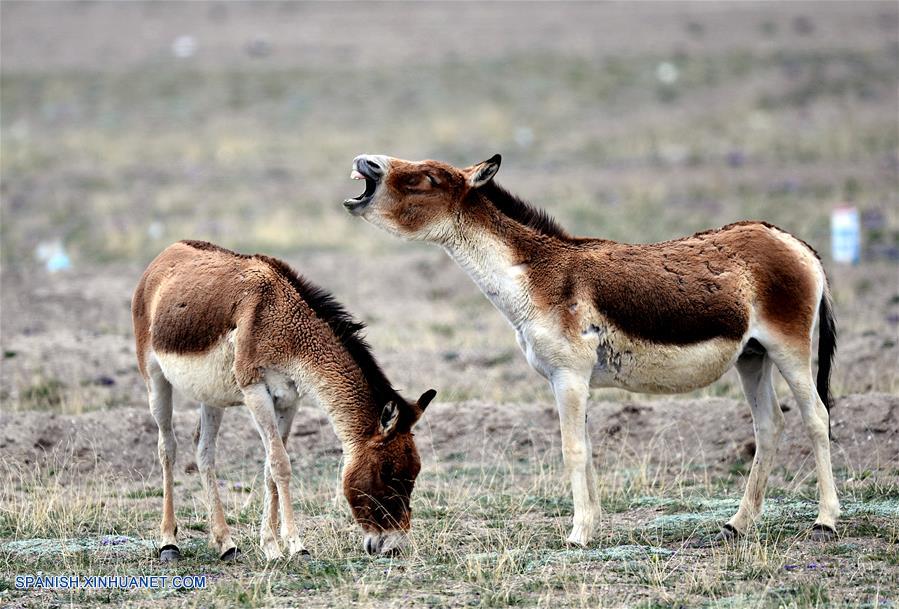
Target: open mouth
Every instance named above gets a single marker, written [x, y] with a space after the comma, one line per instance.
[357, 204]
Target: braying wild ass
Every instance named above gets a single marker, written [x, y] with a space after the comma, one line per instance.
[227, 329]
[663, 317]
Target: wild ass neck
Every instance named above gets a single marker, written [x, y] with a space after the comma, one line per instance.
[489, 248]
[346, 395]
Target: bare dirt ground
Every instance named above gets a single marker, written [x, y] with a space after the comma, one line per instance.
[633, 122]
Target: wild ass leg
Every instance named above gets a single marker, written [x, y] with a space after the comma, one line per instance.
[798, 374]
[590, 470]
[270, 511]
[571, 391]
[767, 418]
[160, 397]
[220, 534]
[268, 529]
[259, 402]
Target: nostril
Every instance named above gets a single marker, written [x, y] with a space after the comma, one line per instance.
[372, 167]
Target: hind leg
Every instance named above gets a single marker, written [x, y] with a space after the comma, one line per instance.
[220, 534]
[798, 373]
[160, 397]
[768, 422]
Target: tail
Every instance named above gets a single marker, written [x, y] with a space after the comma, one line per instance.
[827, 346]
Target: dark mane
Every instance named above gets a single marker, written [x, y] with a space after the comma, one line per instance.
[206, 246]
[521, 211]
[347, 330]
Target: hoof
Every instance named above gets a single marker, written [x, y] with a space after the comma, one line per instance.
[272, 552]
[580, 535]
[302, 556]
[822, 532]
[230, 555]
[698, 542]
[296, 549]
[727, 534]
[169, 553]
[577, 541]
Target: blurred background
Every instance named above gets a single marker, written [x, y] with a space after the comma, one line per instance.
[126, 126]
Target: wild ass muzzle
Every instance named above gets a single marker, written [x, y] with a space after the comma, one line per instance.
[664, 317]
[227, 329]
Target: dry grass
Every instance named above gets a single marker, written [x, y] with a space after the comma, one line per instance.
[486, 533]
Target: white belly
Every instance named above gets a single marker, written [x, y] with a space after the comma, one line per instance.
[614, 359]
[637, 365]
[207, 377]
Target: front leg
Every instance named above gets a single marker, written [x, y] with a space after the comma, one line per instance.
[260, 405]
[268, 529]
[571, 390]
[284, 412]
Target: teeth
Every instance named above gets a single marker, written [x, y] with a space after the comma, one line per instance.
[355, 175]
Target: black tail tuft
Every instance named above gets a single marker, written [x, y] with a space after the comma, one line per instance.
[827, 346]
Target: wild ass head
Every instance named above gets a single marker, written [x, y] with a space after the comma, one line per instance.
[379, 476]
[415, 200]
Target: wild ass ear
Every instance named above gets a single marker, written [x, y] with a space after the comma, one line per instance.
[483, 172]
[390, 416]
[426, 398]
[418, 408]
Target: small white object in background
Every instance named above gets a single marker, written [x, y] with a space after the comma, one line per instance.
[184, 47]
[53, 256]
[667, 73]
[845, 235]
[524, 136]
[155, 229]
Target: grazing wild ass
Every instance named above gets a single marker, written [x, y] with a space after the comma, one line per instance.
[227, 329]
[662, 318]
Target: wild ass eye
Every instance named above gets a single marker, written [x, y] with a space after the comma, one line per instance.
[420, 181]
